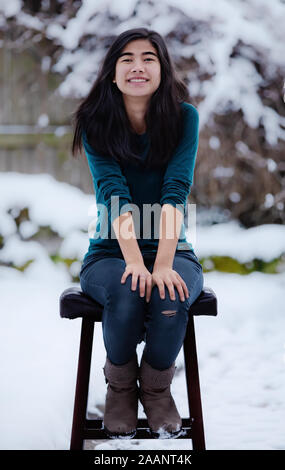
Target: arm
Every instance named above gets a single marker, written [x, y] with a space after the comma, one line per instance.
[177, 182]
[108, 177]
[162, 270]
[126, 236]
[132, 254]
[169, 230]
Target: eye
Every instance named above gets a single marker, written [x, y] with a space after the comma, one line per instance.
[127, 60]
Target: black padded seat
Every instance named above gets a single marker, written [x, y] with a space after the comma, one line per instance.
[74, 303]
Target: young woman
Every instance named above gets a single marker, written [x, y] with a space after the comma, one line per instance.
[140, 136]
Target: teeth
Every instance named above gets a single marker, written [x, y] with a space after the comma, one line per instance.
[137, 80]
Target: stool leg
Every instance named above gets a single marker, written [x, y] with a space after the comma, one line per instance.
[82, 384]
[193, 386]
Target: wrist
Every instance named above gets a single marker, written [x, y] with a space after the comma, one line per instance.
[161, 264]
[134, 260]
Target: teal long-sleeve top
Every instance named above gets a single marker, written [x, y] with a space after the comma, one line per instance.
[120, 188]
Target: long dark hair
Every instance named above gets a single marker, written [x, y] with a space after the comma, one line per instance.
[103, 118]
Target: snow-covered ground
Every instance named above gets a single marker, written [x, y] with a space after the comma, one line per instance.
[241, 351]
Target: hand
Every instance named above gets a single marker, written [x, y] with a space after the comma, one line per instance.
[164, 275]
[138, 270]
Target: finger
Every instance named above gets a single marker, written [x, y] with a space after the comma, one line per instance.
[184, 286]
[171, 290]
[148, 288]
[142, 285]
[134, 281]
[160, 285]
[180, 292]
[124, 276]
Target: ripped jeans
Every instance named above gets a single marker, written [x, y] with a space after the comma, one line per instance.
[128, 319]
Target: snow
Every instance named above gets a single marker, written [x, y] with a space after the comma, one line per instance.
[10, 8]
[241, 352]
[30, 21]
[223, 172]
[43, 120]
[214, 142]
[43, 194]
[164, 434]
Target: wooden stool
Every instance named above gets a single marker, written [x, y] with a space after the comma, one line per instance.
[73, 304]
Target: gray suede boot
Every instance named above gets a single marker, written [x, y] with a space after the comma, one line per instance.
[121, 405]
[159, 406]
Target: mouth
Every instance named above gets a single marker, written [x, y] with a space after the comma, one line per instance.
[138, 80]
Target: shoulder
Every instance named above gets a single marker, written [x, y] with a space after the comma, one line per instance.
[190, 121]
[190, 112]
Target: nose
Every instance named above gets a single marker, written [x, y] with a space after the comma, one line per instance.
[138, 67]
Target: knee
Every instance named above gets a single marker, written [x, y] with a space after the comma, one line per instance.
[168, 308]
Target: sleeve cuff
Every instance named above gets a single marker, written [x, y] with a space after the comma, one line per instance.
[119, 206]
[179, 206]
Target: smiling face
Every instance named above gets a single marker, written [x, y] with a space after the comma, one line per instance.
[138, 60]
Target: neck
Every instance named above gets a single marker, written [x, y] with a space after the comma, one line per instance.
[136, 107]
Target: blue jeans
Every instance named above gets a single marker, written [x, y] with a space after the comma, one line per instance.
[128, 319]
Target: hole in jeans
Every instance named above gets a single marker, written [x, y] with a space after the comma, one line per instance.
[169, 313]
